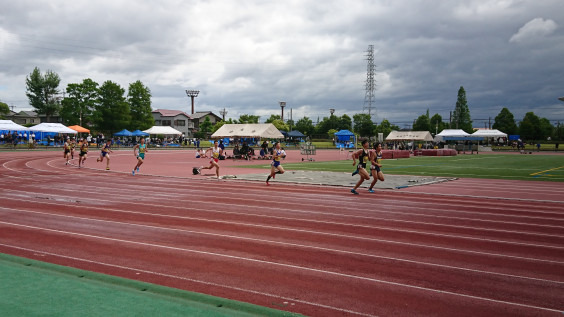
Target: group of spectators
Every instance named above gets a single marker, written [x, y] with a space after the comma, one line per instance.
[14, 138]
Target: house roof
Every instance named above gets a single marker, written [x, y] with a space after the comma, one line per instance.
[201, 114]
[170, 113]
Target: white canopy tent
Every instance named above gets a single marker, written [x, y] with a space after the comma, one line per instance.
[52, 127]
[164, 130]
[257, 130]
[455, 135]
[10, 125]
[409, 136]
[489, 133]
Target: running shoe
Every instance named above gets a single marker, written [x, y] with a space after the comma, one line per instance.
[133, 172]
[138, 168]
[267, 184]
[354, 192]
[370, 191]
[355, 172]
[107, 168]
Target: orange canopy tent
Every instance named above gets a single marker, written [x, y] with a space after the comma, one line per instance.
[78, 128]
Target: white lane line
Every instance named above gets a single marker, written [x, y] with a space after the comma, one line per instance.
[342, 236]
[290, 266]
[221, 206]
[295, 245]
[189, 280]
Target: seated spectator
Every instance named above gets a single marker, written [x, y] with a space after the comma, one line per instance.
[236, 152]
[200, 153]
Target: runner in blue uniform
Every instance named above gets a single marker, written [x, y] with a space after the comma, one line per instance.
[105, 153]
[363, 158]
[275, 166]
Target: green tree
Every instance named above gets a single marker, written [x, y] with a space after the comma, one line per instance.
[273, 117]
[305, 126]
[4, 109]
[139, 99]
[385, 127]
[112, 112]
[206, 126]
[42, 90]
[529, 127]
[331, 133]
[328, 123]
[461, 115]
[247, 118]
[363, 125]
[546, 128]
[437, 124]
[505, 122]
[423, 123]
[78, 105]
[345, 122]
[280, 125]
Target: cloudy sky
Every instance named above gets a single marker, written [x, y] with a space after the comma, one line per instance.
[246, 56]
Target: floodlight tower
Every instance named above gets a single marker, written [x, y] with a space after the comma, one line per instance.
[192, 94]
[282, 105]
[561, 98]
[332, 111]
[370, 84]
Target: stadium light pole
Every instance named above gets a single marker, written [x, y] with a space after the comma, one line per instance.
[282, 105]
[561, 98]
[192, 94]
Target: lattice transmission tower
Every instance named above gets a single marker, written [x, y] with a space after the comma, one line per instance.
[370, 86]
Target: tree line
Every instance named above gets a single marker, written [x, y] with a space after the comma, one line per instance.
[106, 108]
[531, 127]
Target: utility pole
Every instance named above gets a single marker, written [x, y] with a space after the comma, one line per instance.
[223, 113]
[192, 94]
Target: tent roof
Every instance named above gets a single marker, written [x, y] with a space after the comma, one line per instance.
[295, 134]
[453, 133]
[78, 128]
[409, 135]
[52, 127]
[344, 133]
[165, 130]
[139, 133]
[487, 133]
[11, 125]
[258, 130]
[123, 132]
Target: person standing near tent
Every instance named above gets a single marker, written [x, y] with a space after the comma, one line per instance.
[375, 168]
[139, 151]
[106, 150]
[216, 151]
[83, 152]
[66, 151]
[275, 166]
[363, 158]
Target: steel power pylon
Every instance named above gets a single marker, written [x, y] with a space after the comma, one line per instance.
[370, 83]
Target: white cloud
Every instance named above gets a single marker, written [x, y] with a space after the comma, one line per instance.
[534, 29]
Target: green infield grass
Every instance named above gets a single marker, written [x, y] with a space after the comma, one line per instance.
[495, 166]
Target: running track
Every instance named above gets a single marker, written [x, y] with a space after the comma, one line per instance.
[458, 248]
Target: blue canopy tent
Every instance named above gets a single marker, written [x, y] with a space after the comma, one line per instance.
[124, 132]
[345, 139]
[295, 134]
[139, 133]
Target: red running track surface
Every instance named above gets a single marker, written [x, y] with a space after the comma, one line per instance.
[428, 250]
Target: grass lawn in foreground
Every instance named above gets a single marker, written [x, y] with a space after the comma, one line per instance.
[495, 166]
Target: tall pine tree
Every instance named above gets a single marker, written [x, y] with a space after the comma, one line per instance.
[461, 115]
